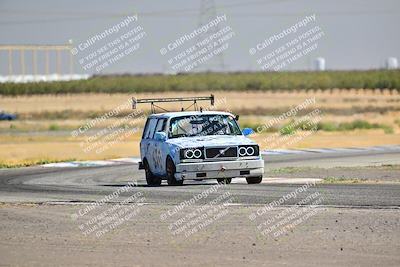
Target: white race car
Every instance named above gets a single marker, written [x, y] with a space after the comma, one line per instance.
[197, 145]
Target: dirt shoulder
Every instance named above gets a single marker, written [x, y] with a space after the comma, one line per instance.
[47, 235]
[374, 174]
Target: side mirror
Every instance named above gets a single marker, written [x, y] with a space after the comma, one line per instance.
[160, 136]
[237, 117]
[247, 131]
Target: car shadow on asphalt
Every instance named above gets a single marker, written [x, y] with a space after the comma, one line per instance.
[162, 185]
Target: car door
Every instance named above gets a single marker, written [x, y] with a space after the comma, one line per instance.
[158, 152]
[147, 140]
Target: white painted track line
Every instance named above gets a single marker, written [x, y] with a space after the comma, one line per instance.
[280, 180]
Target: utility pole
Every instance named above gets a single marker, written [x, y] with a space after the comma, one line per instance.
[208, 12]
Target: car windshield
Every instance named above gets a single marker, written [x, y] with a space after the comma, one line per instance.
[201, 125]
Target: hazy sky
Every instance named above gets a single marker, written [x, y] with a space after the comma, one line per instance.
[358, 34]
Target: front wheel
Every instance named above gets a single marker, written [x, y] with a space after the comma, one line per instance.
[171, 180]
[254, 180]
[151, 179]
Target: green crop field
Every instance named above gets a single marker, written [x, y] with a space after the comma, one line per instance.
[266, 81]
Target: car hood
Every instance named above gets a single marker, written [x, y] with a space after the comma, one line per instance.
[211, 140]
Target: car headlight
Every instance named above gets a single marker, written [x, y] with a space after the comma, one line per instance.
[247, 151]
[192, 153]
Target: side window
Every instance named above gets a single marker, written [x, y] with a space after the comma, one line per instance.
[151, 127]
[146, 129]
[160, 125]
[164, 126]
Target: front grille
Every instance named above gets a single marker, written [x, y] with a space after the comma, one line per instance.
[216, 152]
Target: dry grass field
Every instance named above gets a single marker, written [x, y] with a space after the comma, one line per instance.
[252, 100]
[43, 130]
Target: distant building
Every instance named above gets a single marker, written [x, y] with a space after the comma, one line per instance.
[29, 78]
[392, 63]
[319, 64]
[35, 63]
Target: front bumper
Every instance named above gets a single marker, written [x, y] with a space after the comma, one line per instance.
[220, 169]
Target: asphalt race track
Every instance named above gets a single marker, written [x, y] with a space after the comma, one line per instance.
[88, 184]
[41, 223]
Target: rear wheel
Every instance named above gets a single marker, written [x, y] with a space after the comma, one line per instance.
[151, 179]
[171, 180]
[224, 180]
[254, 180]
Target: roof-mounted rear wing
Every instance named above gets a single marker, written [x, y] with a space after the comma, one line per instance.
[136, 101]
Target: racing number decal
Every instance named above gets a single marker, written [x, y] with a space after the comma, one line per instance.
[157, 158]
[147, 148]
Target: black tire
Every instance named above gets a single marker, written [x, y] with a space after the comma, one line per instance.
[254, 180]
[224, 180]
[151, 179]
[171, 173]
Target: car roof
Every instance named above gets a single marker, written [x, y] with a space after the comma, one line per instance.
[188, 113]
